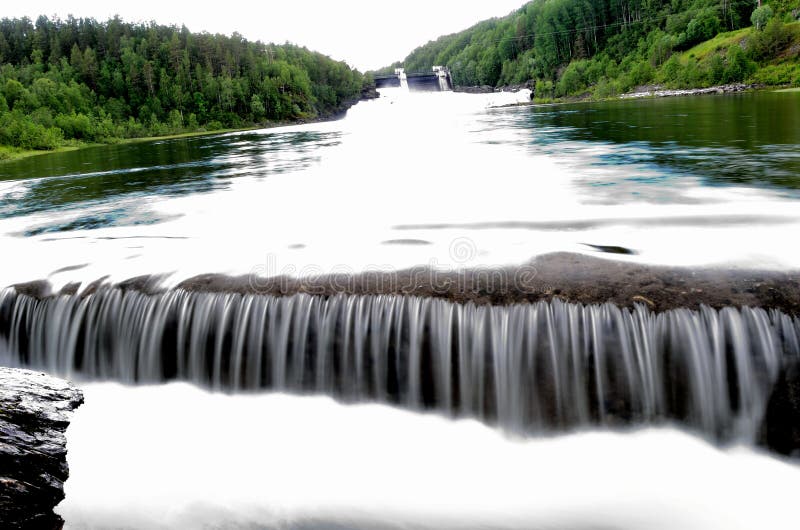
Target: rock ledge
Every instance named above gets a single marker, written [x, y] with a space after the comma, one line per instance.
[35, 410]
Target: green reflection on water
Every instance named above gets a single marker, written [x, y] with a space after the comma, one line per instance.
[750, 138]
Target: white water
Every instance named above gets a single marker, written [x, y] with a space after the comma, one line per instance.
[406, 160]
[177, 457]
[528, 368]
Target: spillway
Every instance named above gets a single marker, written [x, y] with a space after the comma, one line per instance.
[546, 366]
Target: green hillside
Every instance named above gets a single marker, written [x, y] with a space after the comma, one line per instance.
[72, 81]
[607, 47]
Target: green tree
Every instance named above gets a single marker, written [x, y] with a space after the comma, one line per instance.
[761, 15]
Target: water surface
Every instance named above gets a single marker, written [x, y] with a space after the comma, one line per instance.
[429, 178]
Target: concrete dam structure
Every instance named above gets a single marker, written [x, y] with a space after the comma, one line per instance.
[438, 80]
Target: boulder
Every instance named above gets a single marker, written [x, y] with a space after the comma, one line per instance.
[35, 410]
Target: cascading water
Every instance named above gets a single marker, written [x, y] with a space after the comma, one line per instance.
[528, 367]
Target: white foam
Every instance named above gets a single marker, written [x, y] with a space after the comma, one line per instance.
[178, 457]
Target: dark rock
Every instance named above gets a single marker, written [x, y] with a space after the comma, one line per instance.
[516, 88]
[370, 92]
[35, 410]
[485, 89]
[36, 289]
[780, 430]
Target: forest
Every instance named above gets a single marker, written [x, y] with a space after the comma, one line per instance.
[65, 82]
[607, 47]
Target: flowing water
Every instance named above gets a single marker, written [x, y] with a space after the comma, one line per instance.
[703, 180]
[444, 180]
[528, 368]
[173, 456]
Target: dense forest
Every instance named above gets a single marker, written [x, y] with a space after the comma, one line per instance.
[605, 47]
[80, 80]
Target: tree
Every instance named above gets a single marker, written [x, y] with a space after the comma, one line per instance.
[121, 79]
[761, 15]
[257, 107]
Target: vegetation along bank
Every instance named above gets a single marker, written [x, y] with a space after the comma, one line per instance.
[605, 48]
[65, 83]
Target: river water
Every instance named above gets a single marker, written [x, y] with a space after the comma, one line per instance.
[441, 179]
[420, 178]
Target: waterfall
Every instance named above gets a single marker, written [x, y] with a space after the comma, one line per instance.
[527, 368]
[401, 75]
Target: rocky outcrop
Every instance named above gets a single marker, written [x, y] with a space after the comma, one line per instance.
[658, 92]
[35, 410]
[484, 89]
[370, 92]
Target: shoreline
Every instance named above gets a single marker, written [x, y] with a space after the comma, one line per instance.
[14, 154]
[655, 92]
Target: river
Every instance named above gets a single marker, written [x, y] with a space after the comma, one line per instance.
[662, 409]
[420, 178]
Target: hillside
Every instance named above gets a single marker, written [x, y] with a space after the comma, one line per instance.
[79, 80]
[607, 47]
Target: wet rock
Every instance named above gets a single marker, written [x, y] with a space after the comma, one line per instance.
[660, 93]
[35, 410]
[780, 431]
[370, 92]
[484, 89]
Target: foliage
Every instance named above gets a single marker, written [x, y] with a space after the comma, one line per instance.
[761, 15]
[605, 47]
[80, 79]
[767, 43]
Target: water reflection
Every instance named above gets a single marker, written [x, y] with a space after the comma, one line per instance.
[744, 139]
[97, 178]
[681, 181]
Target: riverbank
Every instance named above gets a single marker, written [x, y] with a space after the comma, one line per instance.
[649, 92]
[11, 154]
[657, 91]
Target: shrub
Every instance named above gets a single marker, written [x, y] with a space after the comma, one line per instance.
[572, 80]
[767, 43]
[18, 130]
[691, 75]
[739, 66]
[671, 71]
[77, 126]
[783, 74]
[641, 73]
[543, 89]
[606, 89]
[716, 69]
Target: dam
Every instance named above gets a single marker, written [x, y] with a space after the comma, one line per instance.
[438, 80]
